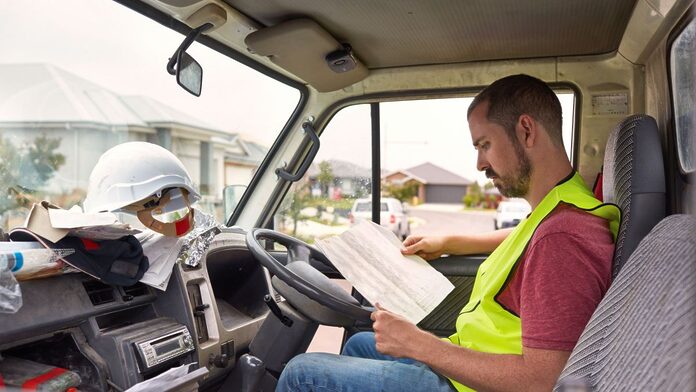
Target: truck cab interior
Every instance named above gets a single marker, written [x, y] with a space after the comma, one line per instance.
[260, 293]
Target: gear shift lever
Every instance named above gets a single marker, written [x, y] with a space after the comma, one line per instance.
[252, 371]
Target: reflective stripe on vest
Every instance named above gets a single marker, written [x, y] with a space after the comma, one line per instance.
[483, 324]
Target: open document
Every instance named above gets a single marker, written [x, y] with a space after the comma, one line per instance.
[369, 256]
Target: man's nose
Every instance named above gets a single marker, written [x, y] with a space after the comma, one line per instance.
[481, 162]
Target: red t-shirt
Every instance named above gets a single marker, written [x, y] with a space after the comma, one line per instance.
[560, 279]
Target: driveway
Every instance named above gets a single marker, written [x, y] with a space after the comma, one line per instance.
[441, 219]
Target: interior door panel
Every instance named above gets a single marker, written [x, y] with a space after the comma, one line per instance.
[461, 271]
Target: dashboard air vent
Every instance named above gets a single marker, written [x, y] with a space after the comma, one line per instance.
[136, 290]
[98, 292]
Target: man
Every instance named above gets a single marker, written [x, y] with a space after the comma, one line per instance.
[533, 295]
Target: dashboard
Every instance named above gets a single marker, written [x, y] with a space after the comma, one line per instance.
[114, 337]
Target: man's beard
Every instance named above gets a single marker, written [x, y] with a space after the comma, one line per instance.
[517, 184]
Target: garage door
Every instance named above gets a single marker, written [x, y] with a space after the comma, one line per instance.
[444, 193]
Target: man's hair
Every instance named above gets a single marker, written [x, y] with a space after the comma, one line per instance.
[512, 96]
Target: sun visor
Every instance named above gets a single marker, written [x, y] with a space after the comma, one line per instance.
[305, 49]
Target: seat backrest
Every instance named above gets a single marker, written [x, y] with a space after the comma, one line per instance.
[642, 336]
[634, 179]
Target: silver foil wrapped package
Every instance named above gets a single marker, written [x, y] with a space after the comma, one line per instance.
[197, 241]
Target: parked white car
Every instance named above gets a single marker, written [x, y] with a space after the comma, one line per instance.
[392, 215]
[511, 212]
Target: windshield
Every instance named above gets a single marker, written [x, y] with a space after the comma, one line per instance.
[79, 77]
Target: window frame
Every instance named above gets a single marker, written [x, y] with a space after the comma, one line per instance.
[673, 148]
[375, 99]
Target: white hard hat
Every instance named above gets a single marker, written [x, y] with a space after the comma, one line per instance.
[133, 171]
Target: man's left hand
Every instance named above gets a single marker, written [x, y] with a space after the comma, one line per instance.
[394, 335]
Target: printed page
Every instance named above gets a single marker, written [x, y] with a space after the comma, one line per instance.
[162, 252]
[369, 256]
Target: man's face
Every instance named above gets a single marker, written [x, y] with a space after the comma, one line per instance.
[503, 160]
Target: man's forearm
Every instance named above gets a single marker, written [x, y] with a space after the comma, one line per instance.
[475, 243]
[533, 371]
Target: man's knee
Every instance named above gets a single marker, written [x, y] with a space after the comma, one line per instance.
[362, 344]
[302, 371]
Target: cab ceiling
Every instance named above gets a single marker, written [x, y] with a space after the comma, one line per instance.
[387, 33]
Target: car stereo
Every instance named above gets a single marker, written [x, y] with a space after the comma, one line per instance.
[154, 351]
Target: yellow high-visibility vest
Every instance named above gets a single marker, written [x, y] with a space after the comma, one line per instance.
[483, 324]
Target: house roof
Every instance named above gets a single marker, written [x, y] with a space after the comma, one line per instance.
[155, 112]
[341, 169]
[252, 152]
[428, 173]
[45, 93]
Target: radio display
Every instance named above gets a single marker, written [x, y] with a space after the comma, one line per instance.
[167, 347]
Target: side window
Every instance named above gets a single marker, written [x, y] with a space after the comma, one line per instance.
[335, 188]
[427, 162]
[683, 93]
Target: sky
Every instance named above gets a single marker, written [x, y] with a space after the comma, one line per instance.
[125, 52]
[414, 132]
[115, 47]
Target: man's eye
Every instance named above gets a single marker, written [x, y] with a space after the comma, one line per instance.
[482, 146]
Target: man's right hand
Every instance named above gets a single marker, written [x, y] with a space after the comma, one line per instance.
[432, 247]
[429, 248]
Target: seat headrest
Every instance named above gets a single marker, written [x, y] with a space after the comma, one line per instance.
[633, 160]
[634, 179]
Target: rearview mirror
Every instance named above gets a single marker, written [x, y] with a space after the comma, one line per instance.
[189, 74]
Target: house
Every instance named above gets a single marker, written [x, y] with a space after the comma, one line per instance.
[349, 179]
[434, 184]
[38, 99]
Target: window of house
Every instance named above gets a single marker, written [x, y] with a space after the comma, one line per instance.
[683, 94]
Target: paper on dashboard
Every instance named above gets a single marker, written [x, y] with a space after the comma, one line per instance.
[162, 252]
[369, 256]
[95, 226]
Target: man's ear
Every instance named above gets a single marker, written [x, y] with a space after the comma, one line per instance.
[527, 130]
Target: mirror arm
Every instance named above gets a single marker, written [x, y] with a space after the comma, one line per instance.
[185, 44]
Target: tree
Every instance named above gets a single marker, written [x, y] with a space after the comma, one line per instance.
[24, 170]
[404, 192]
[473, 195]
[298, 201]
[489, 199]
[325, 177]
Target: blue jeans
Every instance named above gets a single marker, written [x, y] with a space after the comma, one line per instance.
[361, 368]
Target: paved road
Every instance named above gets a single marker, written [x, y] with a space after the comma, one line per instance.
[429, 222]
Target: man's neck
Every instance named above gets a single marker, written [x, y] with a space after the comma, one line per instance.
[543, 181]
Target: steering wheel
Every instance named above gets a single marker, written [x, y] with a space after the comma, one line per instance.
[307, 289]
